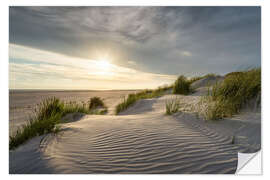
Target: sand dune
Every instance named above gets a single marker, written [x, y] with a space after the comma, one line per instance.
[208, 81]
[142, 140]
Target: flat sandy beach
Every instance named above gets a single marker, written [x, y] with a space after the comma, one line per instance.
[23, 102]
[142, 139]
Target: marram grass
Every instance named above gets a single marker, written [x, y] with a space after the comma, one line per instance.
[46, 118]
[228, 97]
[172, 106]
[145, 94]
[181, 86]
[95, 102]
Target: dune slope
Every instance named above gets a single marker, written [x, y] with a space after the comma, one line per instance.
[140, 140]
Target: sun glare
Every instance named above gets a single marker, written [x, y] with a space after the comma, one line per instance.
[104, 64]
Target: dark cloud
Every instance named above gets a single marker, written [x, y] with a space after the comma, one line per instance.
[218, 39]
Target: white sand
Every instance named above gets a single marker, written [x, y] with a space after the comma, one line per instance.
[142, 140]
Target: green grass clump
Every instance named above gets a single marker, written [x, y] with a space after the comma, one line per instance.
[34, 127]
[95, 102]
[234, 73]
[181, 86]
[145, 94]
[172, 106]
[46, 118]
[48, 108]
[131, 99]
[72, 107]
[228, 97]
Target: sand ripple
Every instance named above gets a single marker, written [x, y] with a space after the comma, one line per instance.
[148, 142]
[138, 145]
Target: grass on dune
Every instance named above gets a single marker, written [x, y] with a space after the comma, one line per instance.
[145, 94]
[182, 86]
[172, 106]
[95, 102]
[228, 97]
[46, 117]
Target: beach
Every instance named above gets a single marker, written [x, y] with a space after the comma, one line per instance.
[23, 102]
[141, 140]
[137, 89]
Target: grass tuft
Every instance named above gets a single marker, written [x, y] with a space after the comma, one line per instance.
[172, 106]
[145, 94]
[46, 119]
[181, 86]
[228, 97]
[95, 102]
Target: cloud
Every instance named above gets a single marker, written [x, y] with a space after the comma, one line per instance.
[37, 66]
[131, 62]
[159, 40]
[186, 53]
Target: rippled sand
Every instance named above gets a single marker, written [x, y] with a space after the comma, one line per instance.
[141, 140]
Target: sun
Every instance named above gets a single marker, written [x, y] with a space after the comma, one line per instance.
[104, 64]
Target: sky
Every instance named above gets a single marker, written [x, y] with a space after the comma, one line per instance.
[101, 48]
